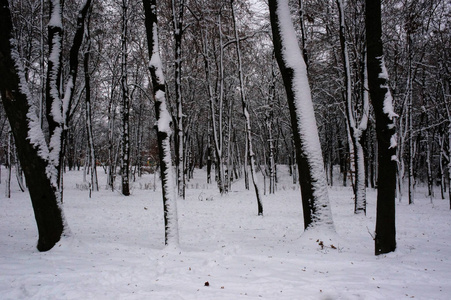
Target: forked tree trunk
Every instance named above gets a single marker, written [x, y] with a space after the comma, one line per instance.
[41, 164]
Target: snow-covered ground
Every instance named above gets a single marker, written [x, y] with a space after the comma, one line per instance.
[116, 249]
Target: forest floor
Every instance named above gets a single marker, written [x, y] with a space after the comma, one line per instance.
[116, 249]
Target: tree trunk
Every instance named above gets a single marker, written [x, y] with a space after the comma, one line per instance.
[91, 150]
[41, 164]
[245, 104]
[385, 239]
[177, 22]
[315, 199]
[8, 165]
[163, 125]
[125, 150]
[356, 131]
[19, 172]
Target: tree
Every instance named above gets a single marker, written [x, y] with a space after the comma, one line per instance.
[125, 116]
[41, 161]
[245, 105]
[163, 125]
[315, 199]
[381, 99]
[357, 129]
[91, 157]
[177, 21]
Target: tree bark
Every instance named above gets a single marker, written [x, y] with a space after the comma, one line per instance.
[88, 106]
[41, 164]
[163, 125]
[125, 150]
[385, 239]
[247, 117]
[315, 199]
[177, 22]
[356, 130]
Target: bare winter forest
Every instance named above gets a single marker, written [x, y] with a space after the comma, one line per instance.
[236, 88]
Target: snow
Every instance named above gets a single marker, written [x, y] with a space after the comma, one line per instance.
[388, 99]
[171, 198]
[54, 57]
[35, 134]
[55, 18]
[117, 248]
[155, 61]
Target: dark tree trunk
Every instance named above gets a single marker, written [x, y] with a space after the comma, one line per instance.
[35, 155]
[385, 240]
[42, 193]
[125, 152]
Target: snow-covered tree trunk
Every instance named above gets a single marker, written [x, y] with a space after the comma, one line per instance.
[125, 116]
[41, 162]
[163, 125]
[246, 116]
[385, 239]
[315, 198]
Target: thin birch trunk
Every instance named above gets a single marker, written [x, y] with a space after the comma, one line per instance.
[177, 22]
[245, 105]
[356, 131]
[125, 149]
[94, 182]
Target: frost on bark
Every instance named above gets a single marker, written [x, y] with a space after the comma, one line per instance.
[312, 178]
[385, 239]
[163, 125]
[40, 160]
